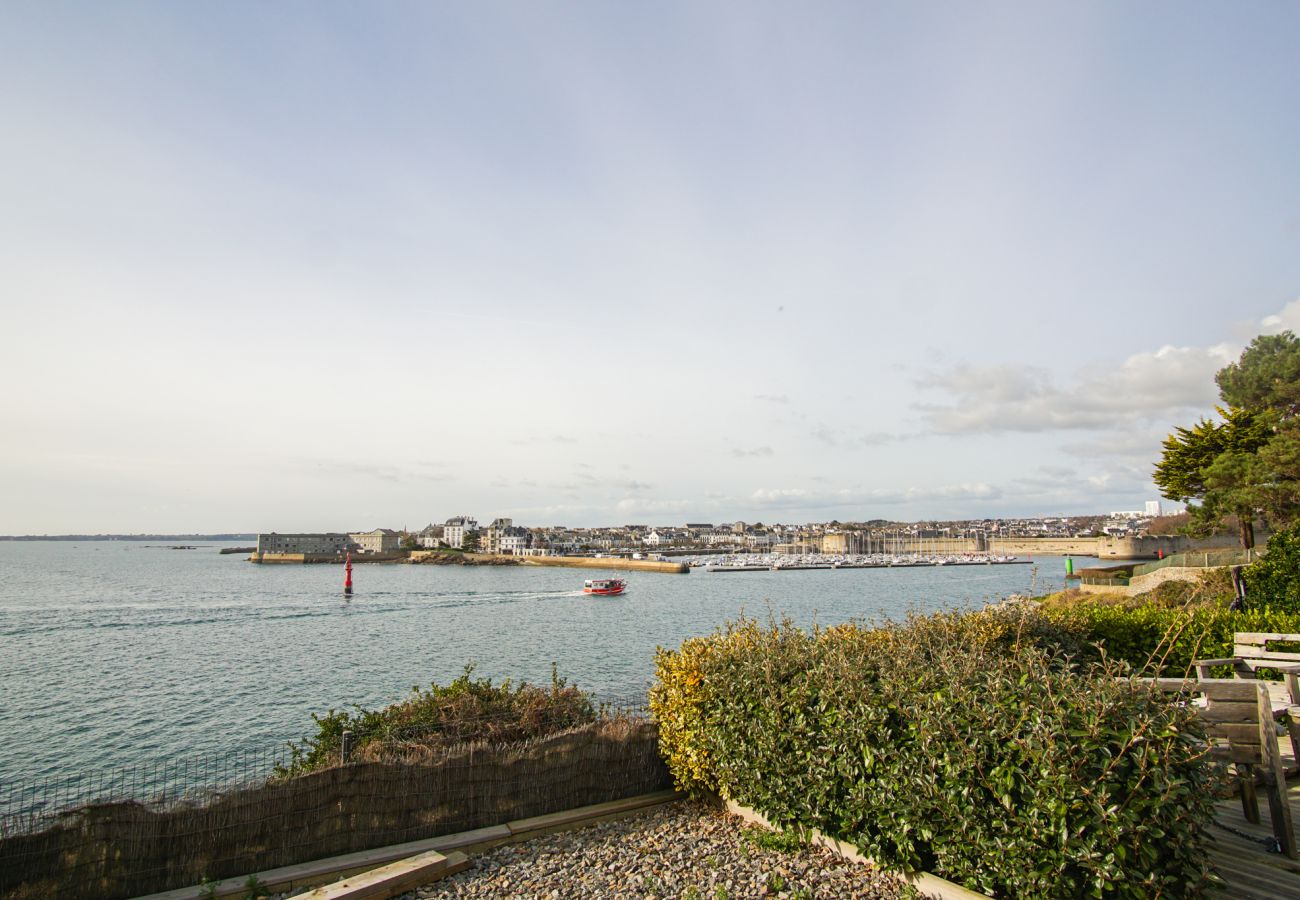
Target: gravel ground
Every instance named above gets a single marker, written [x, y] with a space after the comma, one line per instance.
[680, 850]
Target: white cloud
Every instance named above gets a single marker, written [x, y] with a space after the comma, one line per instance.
[1159, 386]
[1287, 320]
[805, 499]
[1156, 386]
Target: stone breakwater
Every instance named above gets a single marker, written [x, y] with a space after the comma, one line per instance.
[683, 849]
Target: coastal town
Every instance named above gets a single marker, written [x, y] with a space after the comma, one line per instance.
[505, 538]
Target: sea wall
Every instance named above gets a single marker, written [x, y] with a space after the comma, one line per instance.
[1044, 546]
[301, 558]
[1147, 547]
[589, 562]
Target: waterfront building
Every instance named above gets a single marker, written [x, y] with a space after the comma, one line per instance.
[453, 533]
[430, 538]
[513, 540]
[490, 540]
[381, 540]
[321, 543]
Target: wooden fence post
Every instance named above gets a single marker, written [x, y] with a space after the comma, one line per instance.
[346, 752]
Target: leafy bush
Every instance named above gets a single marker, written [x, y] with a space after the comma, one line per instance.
[958, 744]
[1274, 579]
[1161, 640]
[466, 710]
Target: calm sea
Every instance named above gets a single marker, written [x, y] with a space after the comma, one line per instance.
[121, 653]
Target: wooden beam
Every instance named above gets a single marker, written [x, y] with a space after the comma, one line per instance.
[394, 878]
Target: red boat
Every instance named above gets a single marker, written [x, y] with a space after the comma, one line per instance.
[605, 586]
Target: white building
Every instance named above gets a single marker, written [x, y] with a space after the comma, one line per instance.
[514, 541]
[453, 533]
[1153, 509]
[381, 540]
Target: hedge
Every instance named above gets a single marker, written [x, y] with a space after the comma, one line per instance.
[1157, 640]
[960, 744]
[1274, 579]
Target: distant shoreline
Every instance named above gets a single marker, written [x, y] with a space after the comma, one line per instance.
[128, 537]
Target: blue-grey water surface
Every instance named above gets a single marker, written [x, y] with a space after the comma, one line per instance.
[118, 653]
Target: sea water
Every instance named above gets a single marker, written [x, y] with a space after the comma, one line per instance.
[118, 653]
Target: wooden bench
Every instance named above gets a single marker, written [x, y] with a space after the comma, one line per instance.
[1238, 719]
[1250, 653]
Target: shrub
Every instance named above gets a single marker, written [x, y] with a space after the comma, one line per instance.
[466, 710]
[1158, 640]
[1274, 579]
[960, 744]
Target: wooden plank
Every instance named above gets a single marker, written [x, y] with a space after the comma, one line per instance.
[1233, 689]
[571, 817]
[1253, 867]
[394, 878]
[1247, 874]
[479, 838]
[1229, 845]
[1228, 712]
[1237, 754]
[1246, 879]
[1277, 656]
[1170, 685]
[1259, 638]
[1238, 733]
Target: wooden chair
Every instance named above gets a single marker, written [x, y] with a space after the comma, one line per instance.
[1238, 718]
[1250, 653]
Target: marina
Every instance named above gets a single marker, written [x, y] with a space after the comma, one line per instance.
[782, 562]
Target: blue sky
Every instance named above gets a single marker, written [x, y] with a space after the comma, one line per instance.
[308, 266]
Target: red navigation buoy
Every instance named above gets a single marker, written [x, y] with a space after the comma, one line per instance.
[347, 577]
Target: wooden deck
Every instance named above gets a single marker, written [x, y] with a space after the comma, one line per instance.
[1248, 869]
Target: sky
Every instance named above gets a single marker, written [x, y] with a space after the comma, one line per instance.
[311, 266]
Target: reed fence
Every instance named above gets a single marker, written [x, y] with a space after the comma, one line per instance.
[153, 828]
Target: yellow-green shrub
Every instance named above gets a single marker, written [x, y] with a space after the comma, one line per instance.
[960, 744]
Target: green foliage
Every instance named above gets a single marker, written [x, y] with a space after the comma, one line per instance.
[468, 709]
[1274, 579]
[1156, 640]
[1216, 464]
[1188, 452]
[966, 745]
[1266, 377]
[1278, 489]
[1248, 465]
[254, 889]
[773, 841]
